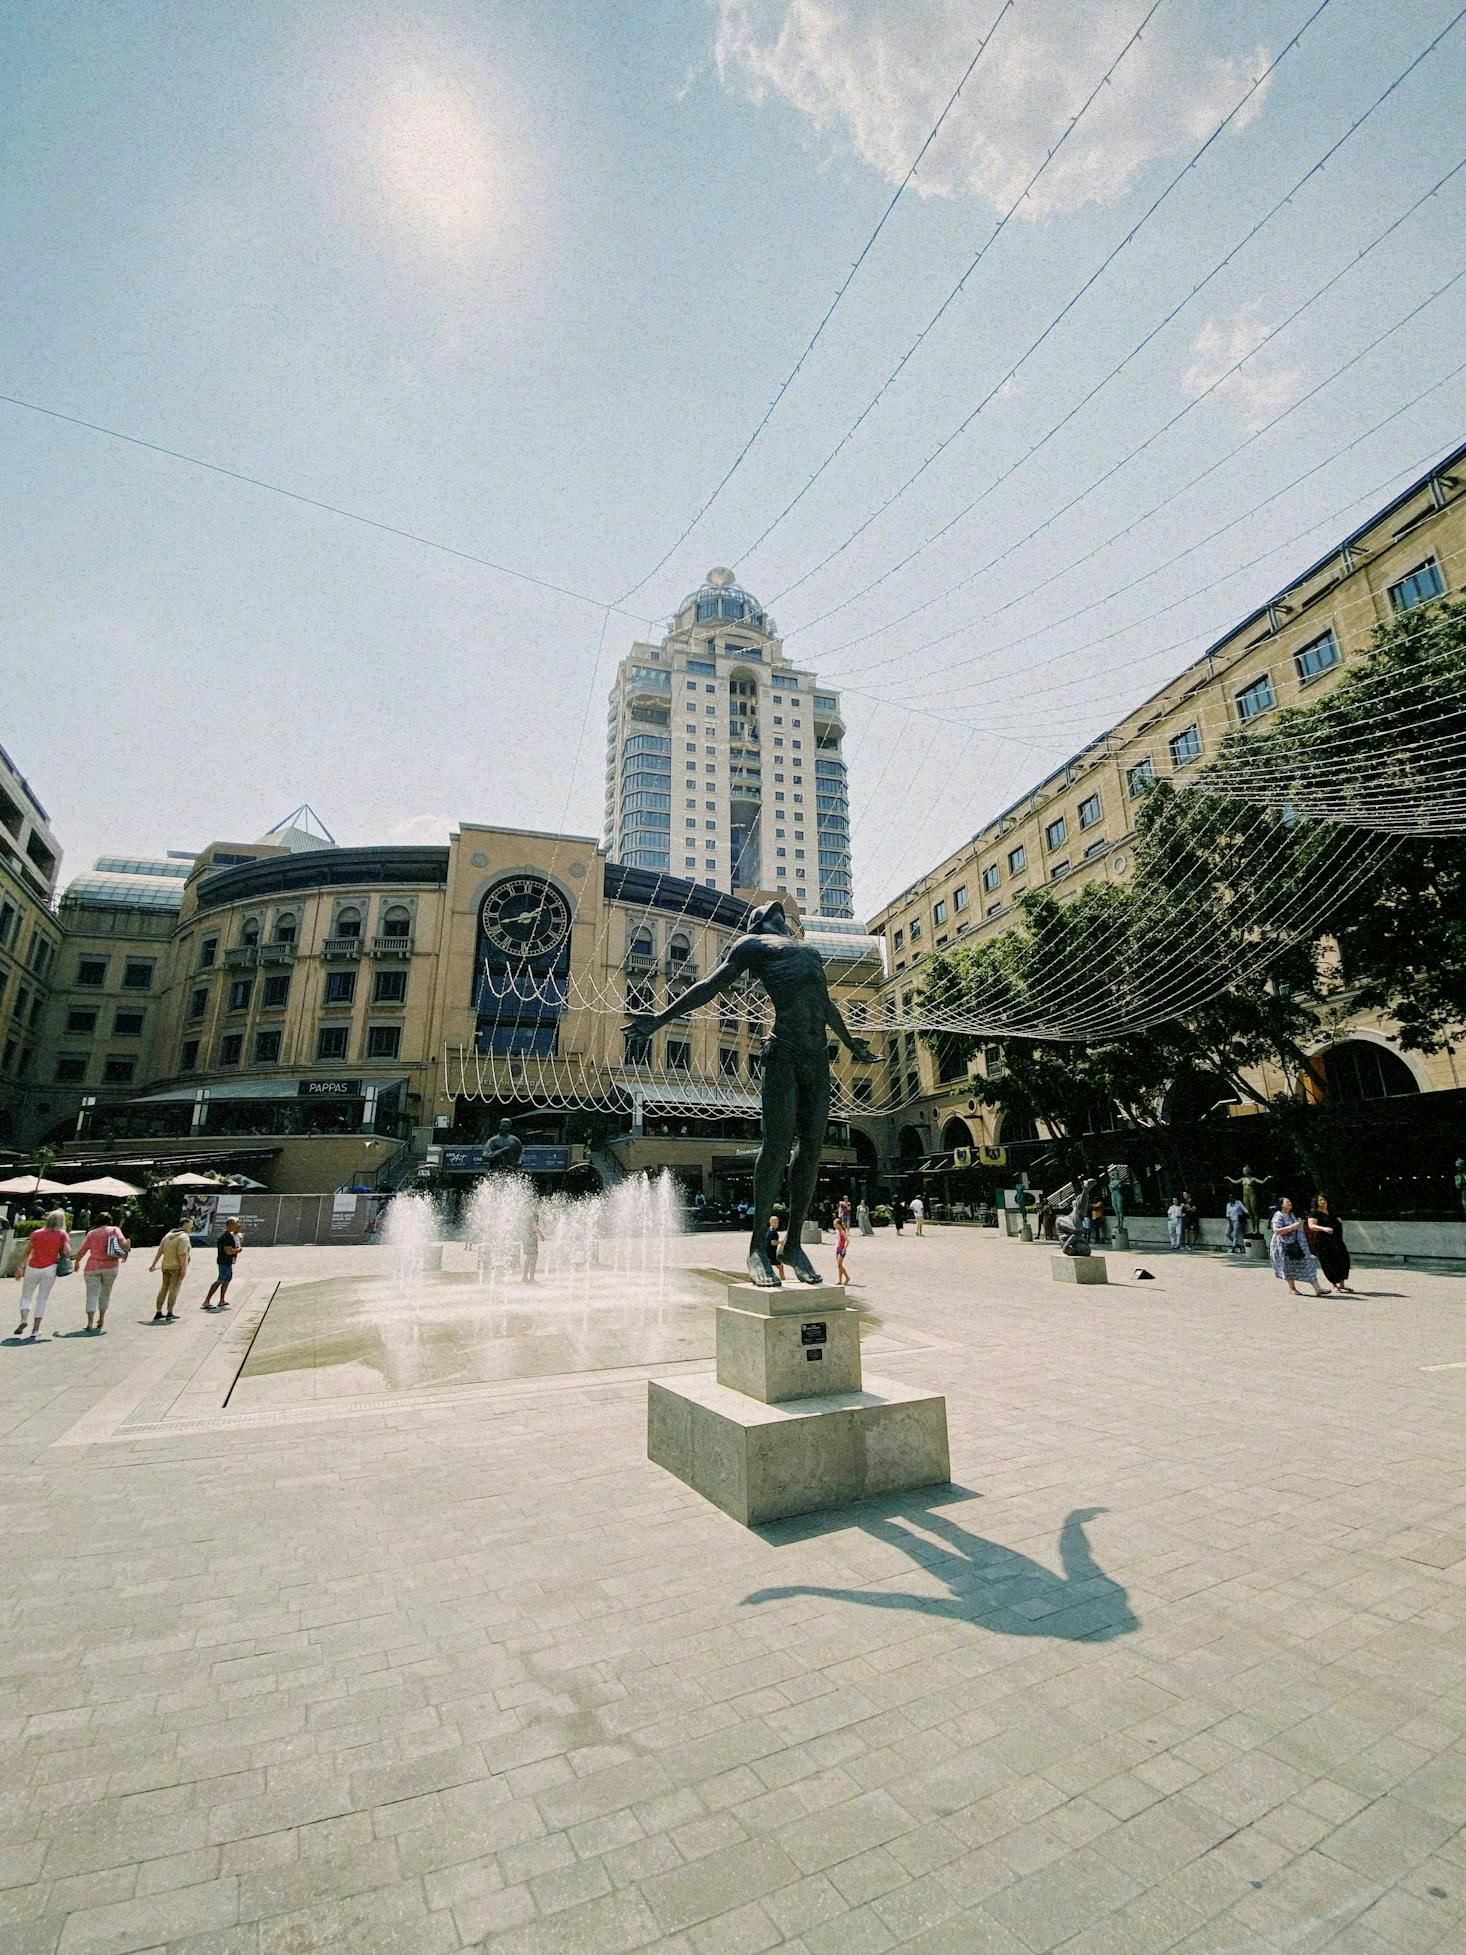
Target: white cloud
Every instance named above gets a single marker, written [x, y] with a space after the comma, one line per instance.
[421, 830]
[1260, 388]
[871, 76]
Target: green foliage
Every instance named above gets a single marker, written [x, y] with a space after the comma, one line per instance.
[1388, 743]
[1222, 884]
[29, 1226]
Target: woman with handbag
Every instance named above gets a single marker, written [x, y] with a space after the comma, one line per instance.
[47, 1256]
[1293, 1260]
[101, 1255]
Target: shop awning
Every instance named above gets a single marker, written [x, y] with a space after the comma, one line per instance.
[248, 1089]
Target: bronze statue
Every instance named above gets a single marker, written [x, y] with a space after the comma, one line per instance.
[504, 1151]
[1252, 1186]
[796, 1074]
[1074, 1228]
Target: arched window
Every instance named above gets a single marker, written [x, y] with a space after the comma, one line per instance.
[910, 1145]
[286, 927]
[397, 921]
[250, 934]
[641, 944]
[679, 950]
[348, 923]
[1356, 1070]
[956, 1133]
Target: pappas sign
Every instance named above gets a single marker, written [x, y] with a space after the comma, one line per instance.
[545, 1160]
[330, 1089]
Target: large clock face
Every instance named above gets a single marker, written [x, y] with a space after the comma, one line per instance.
[525, 917]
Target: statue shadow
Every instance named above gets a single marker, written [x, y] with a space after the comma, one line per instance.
[990, 1586]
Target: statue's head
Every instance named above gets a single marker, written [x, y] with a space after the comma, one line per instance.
[505, 1127]
[768, 920]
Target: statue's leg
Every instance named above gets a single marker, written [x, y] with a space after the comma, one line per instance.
[804, 1170]
[773, 1157]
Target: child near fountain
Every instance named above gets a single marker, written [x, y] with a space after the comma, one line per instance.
[774, 1246]
[842, 1243]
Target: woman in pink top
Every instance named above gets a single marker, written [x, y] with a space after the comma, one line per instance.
[102, 1252]
[38, 1270]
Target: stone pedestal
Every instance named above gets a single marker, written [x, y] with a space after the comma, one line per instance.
[811, 1232]
[772, 1356]
[1257, 1249]
[1078, 1269]
[1122, 1237]
[766, 1462]
[787, 1425]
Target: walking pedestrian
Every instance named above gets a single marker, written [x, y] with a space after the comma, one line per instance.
[172, 1252]
[1176, 1222]
[1326, 1240]
[842, 1243]
[898, 1214]
[918, 1214]
[227, 1248]
[47, 1256]
[1236, 1226]
[103, 1251]
[862, 1216]
[1293, 1261]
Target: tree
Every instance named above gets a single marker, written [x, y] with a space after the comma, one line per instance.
[1367, 785]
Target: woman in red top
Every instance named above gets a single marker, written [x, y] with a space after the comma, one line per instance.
[102, 1254]
[38, 1270]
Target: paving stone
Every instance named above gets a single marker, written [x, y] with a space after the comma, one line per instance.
[717, 1883]
[377, 1684]
[122, 1926]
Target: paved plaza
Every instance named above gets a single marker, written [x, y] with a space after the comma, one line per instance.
[1176, 1663]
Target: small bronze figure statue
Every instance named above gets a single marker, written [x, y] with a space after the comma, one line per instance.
[796, 1074]
[504, 1151]
[1074, 1227]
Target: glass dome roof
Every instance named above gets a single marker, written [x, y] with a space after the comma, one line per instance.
[719, 597]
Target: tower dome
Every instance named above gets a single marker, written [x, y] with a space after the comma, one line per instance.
[719, 597]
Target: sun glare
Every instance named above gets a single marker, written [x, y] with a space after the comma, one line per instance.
[435, 160]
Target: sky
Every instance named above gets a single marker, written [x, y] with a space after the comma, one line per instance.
[516, 286]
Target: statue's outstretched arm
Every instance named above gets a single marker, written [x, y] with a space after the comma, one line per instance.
[837, 1025]
[701, 993]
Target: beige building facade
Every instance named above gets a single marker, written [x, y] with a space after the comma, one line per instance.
[30, 942]
[1076, 825]
[315, 1016]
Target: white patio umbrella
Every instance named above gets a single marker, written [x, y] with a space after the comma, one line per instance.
[105, 1184]
[32, 1184]
[194, 1181]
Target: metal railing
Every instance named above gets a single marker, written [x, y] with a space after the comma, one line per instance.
[341, 947]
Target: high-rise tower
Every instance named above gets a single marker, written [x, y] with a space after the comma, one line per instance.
[723, 761]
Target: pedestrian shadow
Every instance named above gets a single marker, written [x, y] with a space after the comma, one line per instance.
[989, 1586]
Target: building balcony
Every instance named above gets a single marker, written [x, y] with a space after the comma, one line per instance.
[392, 946]
[342, 947]
[276, 953]
[243, 957]
[641, 961]
[682, 967]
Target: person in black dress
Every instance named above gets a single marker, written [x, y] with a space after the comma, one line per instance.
[1326, 1240]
